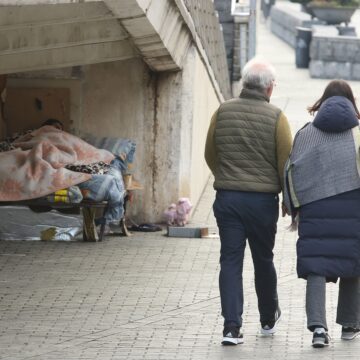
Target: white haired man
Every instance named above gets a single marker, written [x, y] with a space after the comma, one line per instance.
[248, 143]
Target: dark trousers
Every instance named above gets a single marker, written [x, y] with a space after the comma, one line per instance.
[253, 216]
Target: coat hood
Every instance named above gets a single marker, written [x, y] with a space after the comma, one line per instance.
[336, 114]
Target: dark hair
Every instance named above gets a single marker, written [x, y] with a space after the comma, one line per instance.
[53, 122]
[335, 88]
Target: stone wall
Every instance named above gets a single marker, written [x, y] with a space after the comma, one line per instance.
[334, 56]
[285, 17]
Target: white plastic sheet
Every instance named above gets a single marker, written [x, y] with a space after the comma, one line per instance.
[21, 223]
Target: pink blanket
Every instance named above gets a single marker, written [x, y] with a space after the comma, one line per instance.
[36, 168]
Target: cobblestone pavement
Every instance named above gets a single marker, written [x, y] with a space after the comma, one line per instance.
[152, 297]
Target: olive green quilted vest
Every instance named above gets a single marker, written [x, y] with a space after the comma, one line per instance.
[245, 140]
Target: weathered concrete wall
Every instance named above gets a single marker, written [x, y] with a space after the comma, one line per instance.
[61, 78]
[166, 114]
[204, 105]
[118, 100]
[126, 99]
[162, 134]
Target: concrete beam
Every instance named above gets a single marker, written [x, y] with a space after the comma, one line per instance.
[39, 2]
[128, 8]
[46, 13]
[157, 30]
[37, 37]
[47, 36]
[67, 56]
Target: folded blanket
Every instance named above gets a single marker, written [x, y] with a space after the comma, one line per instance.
[37, 167]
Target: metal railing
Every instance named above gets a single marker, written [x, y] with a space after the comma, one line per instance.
[209, 30]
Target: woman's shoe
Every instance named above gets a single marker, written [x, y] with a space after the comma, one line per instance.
[320, 338]
[349, 333]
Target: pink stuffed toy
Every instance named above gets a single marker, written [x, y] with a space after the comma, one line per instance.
[178, 214]
[183, 208]
[170, 214]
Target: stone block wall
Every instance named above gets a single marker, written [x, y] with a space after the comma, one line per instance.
[334, 56]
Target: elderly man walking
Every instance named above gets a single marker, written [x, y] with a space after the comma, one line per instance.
[248, 143]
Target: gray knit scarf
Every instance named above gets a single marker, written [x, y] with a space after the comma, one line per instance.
[321, 165]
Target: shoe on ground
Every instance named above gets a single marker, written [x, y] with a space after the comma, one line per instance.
[269, 328]
[320, 338]
[349, 333]
[232, 336]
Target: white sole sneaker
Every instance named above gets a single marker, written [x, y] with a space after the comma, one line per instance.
[320, 338]
[232, 341]
[268, 332]
[319, 343]
[349, 335]
[272, 331]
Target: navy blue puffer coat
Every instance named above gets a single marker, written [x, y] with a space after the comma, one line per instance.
[329, 229]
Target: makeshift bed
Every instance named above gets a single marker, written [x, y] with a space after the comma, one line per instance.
[52, 169]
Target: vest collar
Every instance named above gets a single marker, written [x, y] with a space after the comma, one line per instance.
[253, 94]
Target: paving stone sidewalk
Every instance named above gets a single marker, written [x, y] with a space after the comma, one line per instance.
[152, 297]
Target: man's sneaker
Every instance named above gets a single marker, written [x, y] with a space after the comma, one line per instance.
[232, 336]
[349, 333]
[269, 328]
[320, 338]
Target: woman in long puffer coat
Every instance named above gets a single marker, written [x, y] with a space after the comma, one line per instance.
[323, 189]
